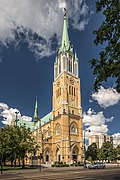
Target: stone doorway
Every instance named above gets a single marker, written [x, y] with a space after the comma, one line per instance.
[47, 156]
[58, 157]
[75, 154]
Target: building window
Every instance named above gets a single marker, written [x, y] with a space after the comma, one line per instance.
[69, 89]
[74, 91]
[59, 66]
[73, 129]
[64, 59]
[70, 64]
[58, 129]
[72, 111]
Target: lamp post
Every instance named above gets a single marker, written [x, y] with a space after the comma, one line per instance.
[41, 153]
[86, 130]
[16, 118]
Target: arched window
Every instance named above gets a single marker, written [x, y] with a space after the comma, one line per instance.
[69, 65]
[73, 129]
[64, 59]
[69, 89]
[58, 129]
[74, 91]
[59, 66]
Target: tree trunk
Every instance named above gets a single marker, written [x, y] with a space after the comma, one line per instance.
[23, 163]
[4, 161]
[23, 160]
[11, 162]
[19, 161]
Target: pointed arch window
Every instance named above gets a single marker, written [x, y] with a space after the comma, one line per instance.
[74, 91]
[64, 60]
[70, 65]
[69, 89]
[73, 129]
[58, 129]
[59, 66]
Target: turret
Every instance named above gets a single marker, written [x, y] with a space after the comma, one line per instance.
[36, 117]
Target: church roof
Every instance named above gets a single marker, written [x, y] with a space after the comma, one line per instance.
[65, 38]
[46, 119]
[27, 124]
[35, 125]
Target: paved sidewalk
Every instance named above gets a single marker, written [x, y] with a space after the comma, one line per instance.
[53, 169]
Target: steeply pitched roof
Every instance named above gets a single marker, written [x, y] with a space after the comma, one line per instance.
[65, 38]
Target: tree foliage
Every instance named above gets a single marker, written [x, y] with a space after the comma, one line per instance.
[91, 152]
[15, 143]
[107, 152]
[108, 35]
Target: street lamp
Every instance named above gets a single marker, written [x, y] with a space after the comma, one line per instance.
[86, 130]
[41, 153]
[16, 118]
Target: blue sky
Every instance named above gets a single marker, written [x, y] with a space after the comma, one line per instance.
[26, 72]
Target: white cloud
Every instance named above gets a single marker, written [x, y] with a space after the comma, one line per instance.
[3, 106]
[96, 122]
[26, 118]
[39, 18]
[9, 114]
[116, 139]
[106, 97]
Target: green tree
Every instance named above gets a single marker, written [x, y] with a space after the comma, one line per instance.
[107, 152]
[118, 152]
[91, 152]
[15, 143]
[108, 35]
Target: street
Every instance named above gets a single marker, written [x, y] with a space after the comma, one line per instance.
[63, 174]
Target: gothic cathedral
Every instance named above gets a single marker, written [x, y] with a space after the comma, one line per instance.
[59, 133]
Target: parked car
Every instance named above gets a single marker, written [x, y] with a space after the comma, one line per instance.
[96, 166]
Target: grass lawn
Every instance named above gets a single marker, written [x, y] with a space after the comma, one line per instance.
[9, 168]
[5, 168]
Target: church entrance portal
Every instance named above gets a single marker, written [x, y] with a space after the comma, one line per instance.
[47, 156]
[75, 154]
[58, 155]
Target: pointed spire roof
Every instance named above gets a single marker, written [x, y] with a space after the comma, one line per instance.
[76, 58]
[36, 111]
[65, 38]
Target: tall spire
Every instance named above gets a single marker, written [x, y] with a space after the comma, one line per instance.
[36, 111]
[65, 38]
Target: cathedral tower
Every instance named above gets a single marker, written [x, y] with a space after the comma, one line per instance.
[67, 111]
